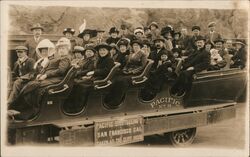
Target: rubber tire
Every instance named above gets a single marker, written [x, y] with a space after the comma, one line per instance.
[191, 132]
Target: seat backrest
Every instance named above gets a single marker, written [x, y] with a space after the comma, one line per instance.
[147, 68]
[110, 75]
[66, 80]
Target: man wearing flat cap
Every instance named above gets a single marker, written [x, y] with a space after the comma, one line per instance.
[196, 62]
[192, 40]
[212, 35]
[32, 42]
[22, 72]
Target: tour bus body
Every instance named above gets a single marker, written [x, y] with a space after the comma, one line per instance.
[212, 99]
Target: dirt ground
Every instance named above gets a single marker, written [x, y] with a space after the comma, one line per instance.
[228, 134]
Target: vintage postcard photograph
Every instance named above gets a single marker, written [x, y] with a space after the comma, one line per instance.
[125, 78]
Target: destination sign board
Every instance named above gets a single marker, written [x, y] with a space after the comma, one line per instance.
[119, 131]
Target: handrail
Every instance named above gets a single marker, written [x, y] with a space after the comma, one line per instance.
[63, 82]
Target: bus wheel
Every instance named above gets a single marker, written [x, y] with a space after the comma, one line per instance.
[182, 138]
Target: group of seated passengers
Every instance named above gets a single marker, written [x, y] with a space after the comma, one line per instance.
[54, 62]
[225, 57]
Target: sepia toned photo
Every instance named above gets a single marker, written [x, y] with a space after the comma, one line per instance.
[136, 78]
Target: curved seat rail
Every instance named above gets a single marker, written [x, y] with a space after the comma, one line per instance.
[100, 84]
[63, 85]
[144, 75]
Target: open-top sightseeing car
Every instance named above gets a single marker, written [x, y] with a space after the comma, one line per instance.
[212, 99]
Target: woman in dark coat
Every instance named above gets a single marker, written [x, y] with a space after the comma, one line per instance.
[136, 62]
[86, 64]
[102, 67]
[123, 53]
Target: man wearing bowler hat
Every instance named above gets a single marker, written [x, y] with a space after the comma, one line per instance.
[155, 55]
[196, 62]
[32, 42]
[212, 35]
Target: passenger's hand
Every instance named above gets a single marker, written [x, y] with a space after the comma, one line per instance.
[190, 68]
[232, 62]
[90, 73]
[38, 76]
[125, 71]
[43, 77]
[86, 77]
[170, 69]
[76, 66]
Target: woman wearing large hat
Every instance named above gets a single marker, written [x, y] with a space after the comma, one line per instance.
[86, 36]
[86, 63]
[102, 67]
[123, 51]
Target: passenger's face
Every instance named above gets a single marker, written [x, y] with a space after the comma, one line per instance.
[176, 36]
[68, 35]
[145, 47]
[184, 31]
[124, 31]
[229, 44]
[136, 47]
[86, 37]
[100, 34]
[212, 28]
[78, 55]
[44, 52]
[113, 51]
[176, 54]
[159, 44]
[114, 35]
[208, 47]
[103, 52]
[123, 48]
[139, 35]
[63, 50]
[152, 27]
[200, 44]
[89, 53]
[164, 57]
[218, 45]
[196, 32]
[21, 53]
[238, 46]
[168, 35]
[37, 32]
